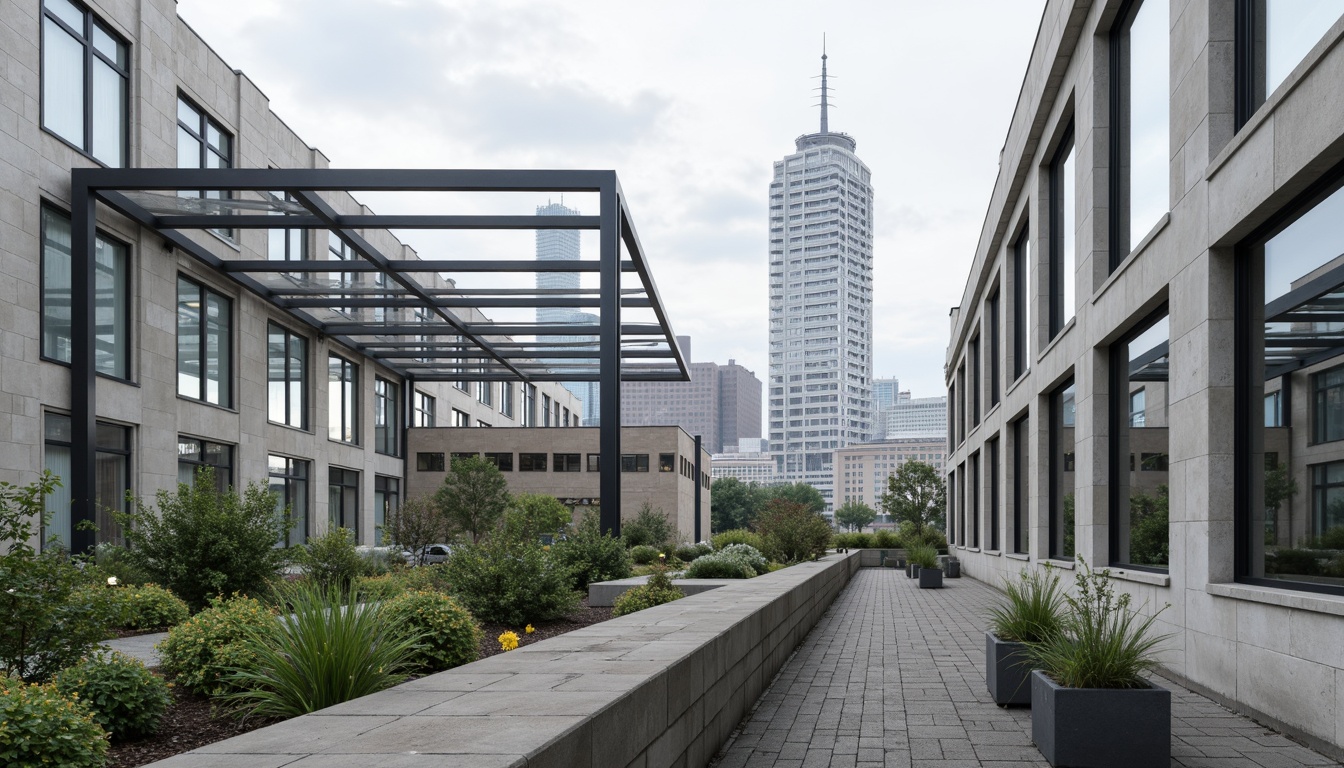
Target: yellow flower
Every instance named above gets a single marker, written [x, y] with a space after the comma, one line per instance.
[529, 629]
[508, 641]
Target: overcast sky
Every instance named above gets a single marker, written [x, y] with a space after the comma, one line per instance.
[690, 102]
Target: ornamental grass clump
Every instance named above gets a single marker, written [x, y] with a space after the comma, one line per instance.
[329, 649]
[449, 636]
[1102, 642]
[923, 556]
[1031, 609]
[125, 698]
[200, 651]
[40, 728]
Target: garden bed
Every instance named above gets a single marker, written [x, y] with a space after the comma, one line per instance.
[191, 722]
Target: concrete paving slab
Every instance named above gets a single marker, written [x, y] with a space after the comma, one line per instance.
[139, 647]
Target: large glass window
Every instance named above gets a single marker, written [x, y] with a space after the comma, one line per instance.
[961, 410]
[530, 405]
[953, 530]
[545, 410]
[286, 377]
[286, 244]
[343, 499]
[289, 485]
[1290, 519]
[992, 493]
[386, 502]
[204, 344]
[973, 392]
[1062, 414]
[112, 480]
[342, 400]
[1019, 536]
[973, 500]
[1063, 264]
[506, 399]
[1273, 37]
[111, 298]
[1022, 294]
[485, 393]
[192, 454]
[85, 82]
[425, 406]
[386, 417]
[1140, 114]
[634, 462]
[202, 143]
[992, 351]
[1140, 364]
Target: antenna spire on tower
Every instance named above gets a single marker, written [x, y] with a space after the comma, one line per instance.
[824, 122]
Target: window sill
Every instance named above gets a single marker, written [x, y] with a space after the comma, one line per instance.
[1017, 556]
[1067, 565]
[208, 404]
[1142, 577]
[992, 552]
[1285, 598]
[970, 549]
[1025, 375]
[283, 425]
[1133, 256]
[1058, 336]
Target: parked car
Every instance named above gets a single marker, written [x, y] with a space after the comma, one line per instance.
[434, 553]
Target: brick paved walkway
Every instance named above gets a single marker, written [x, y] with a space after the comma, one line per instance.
[893, 677]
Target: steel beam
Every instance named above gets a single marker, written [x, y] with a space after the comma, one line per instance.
[609, 374]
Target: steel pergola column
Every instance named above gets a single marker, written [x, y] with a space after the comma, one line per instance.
[83, 370]
[609, 372]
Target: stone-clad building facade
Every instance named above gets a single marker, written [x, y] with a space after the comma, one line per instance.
[1144, 370]
[192, 368]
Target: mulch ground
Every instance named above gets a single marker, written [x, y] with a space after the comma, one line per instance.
[192, 721]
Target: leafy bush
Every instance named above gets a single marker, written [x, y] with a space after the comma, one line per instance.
[1333, 538]
[533, 515]
[1295, 562]
[112, 560]
[717, 566]
[590, 554]
[43, 728]
[650, 527]
[376, 589]
[473, 497]
[126, 699]
[510, 581]
[792, 532]
[330, 559]
[749, 555]
[886, 539]
[656, 591]
[689, 552]
[643, 554]
[48, 619]
[737, 536]
[1031, 608]
[1103, 643]
[852, 540]
[425, 578]
[201, 651]
[910, 537]
[1149, 538]
[449, 636]
[200, 543]
[148, 607]
[922, 555]
[329, 649]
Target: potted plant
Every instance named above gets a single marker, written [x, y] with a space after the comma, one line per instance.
[1091, 707]
[930, 575]
[1029, 613]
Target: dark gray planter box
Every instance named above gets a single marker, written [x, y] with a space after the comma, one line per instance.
[1006, 672]
[953, 569]
[911, 570]
[930, 578]
[1101, 727]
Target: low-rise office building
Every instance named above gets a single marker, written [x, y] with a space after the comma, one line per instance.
[861, 471]
[659, 467]
[1145, 369]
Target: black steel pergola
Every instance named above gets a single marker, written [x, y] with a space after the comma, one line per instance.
[408, 318]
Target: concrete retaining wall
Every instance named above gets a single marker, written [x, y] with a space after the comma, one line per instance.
[661, 687]
[604, 593]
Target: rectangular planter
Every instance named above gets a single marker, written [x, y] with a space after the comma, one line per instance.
[911, 570]
[1101, 727]
[1006, 672]
[930, 578]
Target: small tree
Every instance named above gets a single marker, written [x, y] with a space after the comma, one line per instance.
[650, 527]
[916, 494]
[533, 515]
[200, 542]
[473, 496]
[793, 532]
[798, 493]
[592, 554]
[733, 504]
[855, 515]
[417, 524]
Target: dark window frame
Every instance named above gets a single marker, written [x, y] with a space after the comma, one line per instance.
[1121, 458]
[223, 480]
[1021, 486]
[1118, 215]
[994, 499]
[567, 462]
[994, 349]
[532, 462]
[350, 375]
[502, 460]
[973, 511]
[430, 461]
[1057, 183]
[91, 53]
[1320, 411]
[1057, 467]
[387, 406]
[340, 477]
[290, 337]
[127, 318]
[294, 472]
[200, 131]
[204, 294]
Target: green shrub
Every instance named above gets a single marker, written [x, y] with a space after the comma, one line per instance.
[449, 635]
[749, 555]
[922, 555]
[126, 699]
[910, 537]
[717, 566]
[533, 515]
[200, 543]
[148, 607]
[112, 560]
[199, 652]
[510, 581]
[330, 559]
[1031, 608]
[49, 619]
[592, 555]
[737, 536]
[328, 649]
[792, 532]
[886, 539]
[689, 552]
[650, 527]
[40, 728]
[424, 578]
[657, 590]
[1333, 538]
[376, 589]
[1103, 642]
[643, 554]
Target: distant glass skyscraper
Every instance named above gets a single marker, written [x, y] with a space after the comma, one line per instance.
[821, 304]
[884, 394]
[563, 245]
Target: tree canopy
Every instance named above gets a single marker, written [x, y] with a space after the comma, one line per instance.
[855, 515]
[734, 504]
[798, 493]
[916, 494]
[473, 496]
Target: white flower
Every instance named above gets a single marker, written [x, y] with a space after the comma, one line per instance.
[111, 581]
